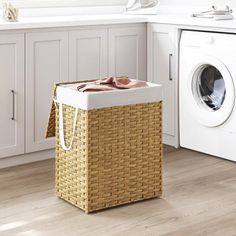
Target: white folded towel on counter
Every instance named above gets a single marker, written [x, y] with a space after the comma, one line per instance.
[216, 13]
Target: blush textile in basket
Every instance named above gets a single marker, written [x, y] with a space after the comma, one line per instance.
[108, 145]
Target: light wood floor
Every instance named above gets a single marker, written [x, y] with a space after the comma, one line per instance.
[199, 199]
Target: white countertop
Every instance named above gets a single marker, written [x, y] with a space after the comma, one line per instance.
[188, 21]
[108, 19]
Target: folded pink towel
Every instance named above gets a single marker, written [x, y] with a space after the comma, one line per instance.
[111, 83]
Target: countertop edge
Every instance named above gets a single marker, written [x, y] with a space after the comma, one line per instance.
[115, 19]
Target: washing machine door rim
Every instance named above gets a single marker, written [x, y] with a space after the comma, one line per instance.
[201, 103]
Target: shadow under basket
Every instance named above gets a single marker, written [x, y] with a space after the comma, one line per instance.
[116, 156]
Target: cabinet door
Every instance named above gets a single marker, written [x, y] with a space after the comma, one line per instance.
[46, 64]
[12, 95]
[162, 57]
[87, 54]
[127, 52]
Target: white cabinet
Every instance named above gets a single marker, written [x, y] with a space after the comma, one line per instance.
[46, 64]
[33, 61]
[88, 51]
[82, 54]
[12, 94]
[163, 69]
[127, 52]
[99, 53]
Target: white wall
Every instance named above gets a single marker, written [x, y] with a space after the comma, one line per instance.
[179, 3]
[70, 3]
[64, 3]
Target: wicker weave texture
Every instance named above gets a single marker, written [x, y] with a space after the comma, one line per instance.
[116, 156]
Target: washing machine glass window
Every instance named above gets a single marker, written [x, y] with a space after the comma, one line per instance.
[209, 87]
[211, 91]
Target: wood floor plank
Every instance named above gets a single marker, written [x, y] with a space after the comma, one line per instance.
[199, 200]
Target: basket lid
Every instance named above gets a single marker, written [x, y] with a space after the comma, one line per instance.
[51, 128]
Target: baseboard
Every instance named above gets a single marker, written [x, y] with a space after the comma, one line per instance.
[170, 140]
[27, 158]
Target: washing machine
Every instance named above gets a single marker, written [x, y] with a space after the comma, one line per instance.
[207, 83]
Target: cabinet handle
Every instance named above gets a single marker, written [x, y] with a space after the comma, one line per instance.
[170, 67]
[13, 104]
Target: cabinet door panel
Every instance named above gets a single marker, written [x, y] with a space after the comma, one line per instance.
[163, 41]
[88, 54]
[127, 52]
[46, 64]
[12, 95]
[163, 53]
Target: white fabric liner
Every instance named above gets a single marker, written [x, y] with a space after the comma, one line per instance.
[69, 95]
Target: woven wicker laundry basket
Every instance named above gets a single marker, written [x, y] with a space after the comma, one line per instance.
[116, 156]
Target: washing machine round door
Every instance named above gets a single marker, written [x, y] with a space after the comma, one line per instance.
[212, 92]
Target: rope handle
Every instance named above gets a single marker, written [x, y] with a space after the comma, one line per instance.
[61, 127]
